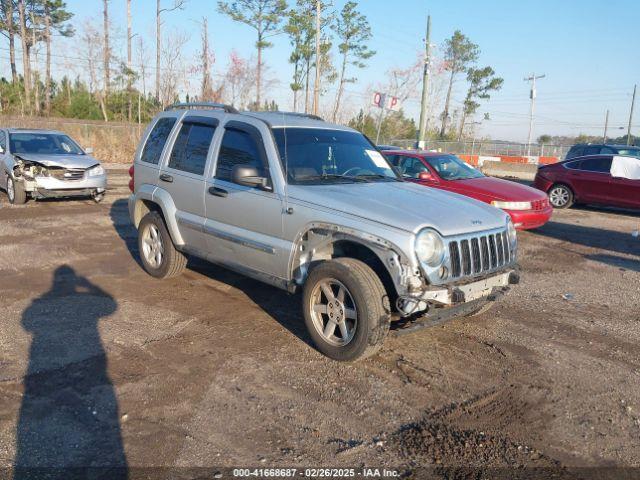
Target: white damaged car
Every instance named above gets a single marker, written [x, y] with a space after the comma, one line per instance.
[47, 164]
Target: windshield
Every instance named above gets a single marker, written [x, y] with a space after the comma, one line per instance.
[632, 152]
[43, 143]
[450, 167]
[313, 156]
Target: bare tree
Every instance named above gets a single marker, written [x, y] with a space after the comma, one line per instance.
[92, 49]
[239, 78]
[177, 5]
[7, 25]
[106, 52]
[206, 89]
[173, 67]
[129, 61]
[143, 59]
[26, 49]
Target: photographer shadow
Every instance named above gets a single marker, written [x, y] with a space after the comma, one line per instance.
[68, 425]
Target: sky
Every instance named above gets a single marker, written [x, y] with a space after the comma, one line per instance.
[588, 50]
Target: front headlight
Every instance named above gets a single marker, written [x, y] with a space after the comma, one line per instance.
[96, 171]
[512, 205]
[430, 247]
[513, 236]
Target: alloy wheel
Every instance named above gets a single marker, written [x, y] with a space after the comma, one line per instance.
[559, 196]
[11, 192]
[152, 247]
[333, 312]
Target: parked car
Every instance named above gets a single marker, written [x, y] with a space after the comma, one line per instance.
[47, 164]
[310, 206]
[598, 179]
[584, 149]
[527, 207]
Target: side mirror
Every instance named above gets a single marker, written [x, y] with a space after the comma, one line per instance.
[249, 177]
[88, 150]
[425, 177]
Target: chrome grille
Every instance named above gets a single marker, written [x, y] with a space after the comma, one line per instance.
[476, 255]
[67, 174]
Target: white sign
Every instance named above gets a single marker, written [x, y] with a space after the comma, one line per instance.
[393, 103]
[378, 99]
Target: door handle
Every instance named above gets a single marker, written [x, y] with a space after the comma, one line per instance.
[166, 178]
[218, 192]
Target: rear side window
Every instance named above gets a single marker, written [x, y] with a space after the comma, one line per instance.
[238, 148]
[599, 165]
[594, 150]
[157, 138]
[575, 152]
[191, 147]
[3, 141]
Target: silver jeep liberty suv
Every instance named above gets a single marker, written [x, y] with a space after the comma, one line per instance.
[306, 205]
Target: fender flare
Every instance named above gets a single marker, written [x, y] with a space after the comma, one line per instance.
[395, 261]
[160, 197]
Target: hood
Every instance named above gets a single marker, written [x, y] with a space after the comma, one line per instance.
[64, 161]
[403, 205]
[490, 188]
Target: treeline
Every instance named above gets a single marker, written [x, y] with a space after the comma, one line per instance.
[328, 47]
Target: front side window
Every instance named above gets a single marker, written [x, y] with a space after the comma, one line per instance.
[631, 152]
[314, 156]
[191, 147]
[43, 143]
[411, 167]
[599, 165]
[450, 167]
[157, 138]
[237, 148]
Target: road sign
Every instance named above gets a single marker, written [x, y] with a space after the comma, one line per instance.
[393, 103]
[379, 99]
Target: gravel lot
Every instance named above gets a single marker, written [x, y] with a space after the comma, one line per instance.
[102, 365]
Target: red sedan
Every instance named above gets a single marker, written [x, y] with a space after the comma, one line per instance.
[528, 207]
[597, 179]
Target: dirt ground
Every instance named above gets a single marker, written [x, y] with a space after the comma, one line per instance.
[102, 365]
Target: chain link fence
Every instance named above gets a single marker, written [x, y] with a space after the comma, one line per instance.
[488, 148]
[112, 142]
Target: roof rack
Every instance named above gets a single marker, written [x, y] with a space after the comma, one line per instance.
[303, 115]
[211, 105]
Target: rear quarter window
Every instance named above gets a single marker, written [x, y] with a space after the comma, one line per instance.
[152, 150]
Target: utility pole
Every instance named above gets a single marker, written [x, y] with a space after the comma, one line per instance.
[532, 95]
[633, 102]
[316, 86]
[606, 127]
[422, 136]
[383, 103]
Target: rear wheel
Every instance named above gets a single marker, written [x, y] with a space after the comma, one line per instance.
[16, 192]
[560, 196]
[346, 309]
[159, 256]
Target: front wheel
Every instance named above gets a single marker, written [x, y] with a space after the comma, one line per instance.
[158, 254]
[560, 196]
[346, 309]
[16, 192]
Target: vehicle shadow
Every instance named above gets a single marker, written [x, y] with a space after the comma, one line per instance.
[68, 425]
[600, 238]
[278, 304]
[616, 261]
[281, 306]
[119, 214]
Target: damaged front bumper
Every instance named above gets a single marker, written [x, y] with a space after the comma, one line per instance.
[449, 296]
[51, 187]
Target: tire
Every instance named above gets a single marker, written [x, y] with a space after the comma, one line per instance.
[363, 314]
[16, 192]
[159, 256]
[561, 196]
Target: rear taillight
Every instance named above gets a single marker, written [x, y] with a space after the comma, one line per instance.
[132, 175]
